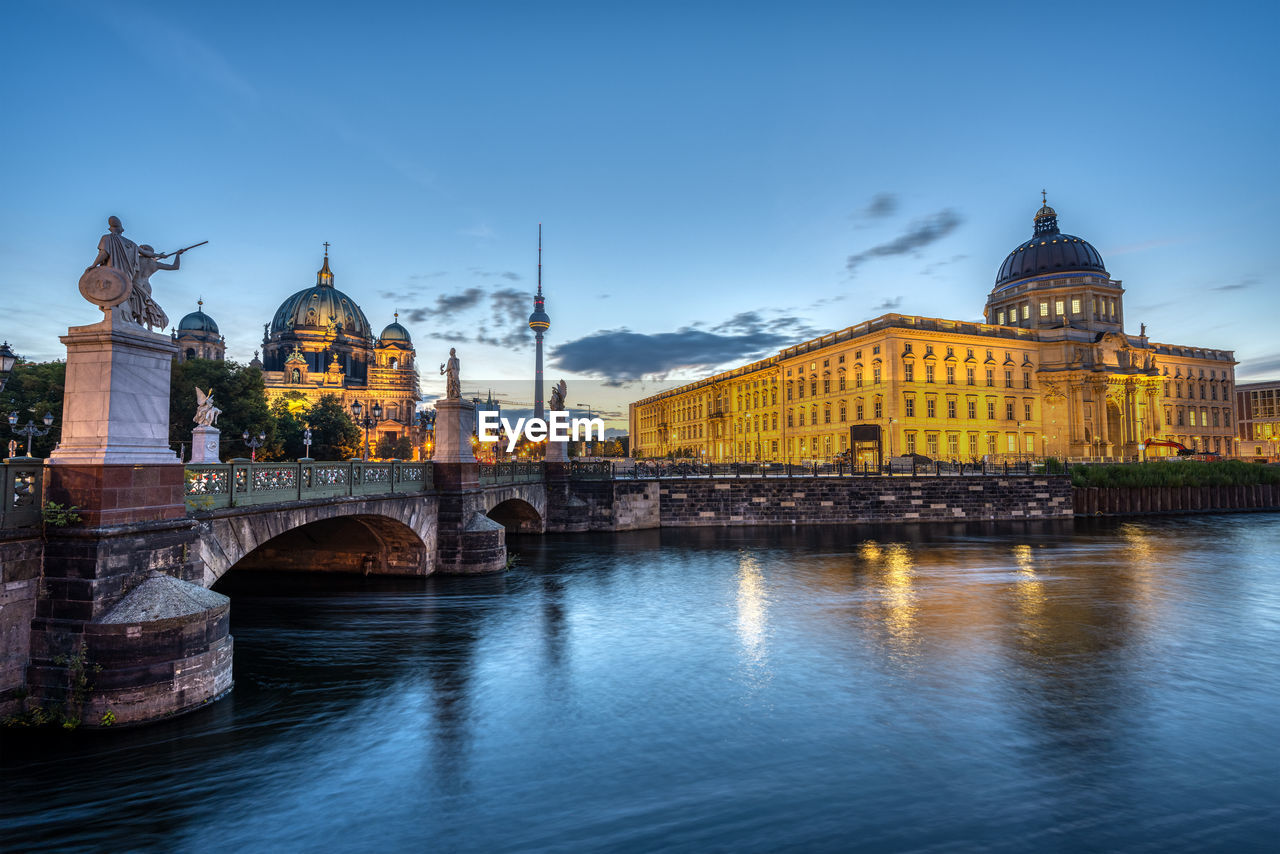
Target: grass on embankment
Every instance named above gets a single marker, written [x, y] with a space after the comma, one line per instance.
[1177, 473]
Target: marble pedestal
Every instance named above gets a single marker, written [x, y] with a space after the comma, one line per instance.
[114, 462]
[556, 452]
[455, 424]
[206, 445]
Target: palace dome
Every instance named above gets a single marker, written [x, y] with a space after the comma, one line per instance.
[1049, 251]
[198, 321]
[321, 307]
[395, 333]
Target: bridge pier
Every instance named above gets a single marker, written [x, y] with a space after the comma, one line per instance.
[467, 540]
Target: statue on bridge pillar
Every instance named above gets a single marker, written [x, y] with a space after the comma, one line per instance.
[452, 375]
[206, 439]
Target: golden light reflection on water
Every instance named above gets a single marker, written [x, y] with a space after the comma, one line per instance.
[1029, 594]
[753, 612]
[1142, 559]
[894, 571]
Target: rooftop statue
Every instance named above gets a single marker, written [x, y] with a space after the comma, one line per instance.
[559, 392]
[118, 280]
[453, 380]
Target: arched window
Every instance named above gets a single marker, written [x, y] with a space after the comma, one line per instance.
[393, 363]
[191, 354]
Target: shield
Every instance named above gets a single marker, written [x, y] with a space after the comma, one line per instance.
[105, 287]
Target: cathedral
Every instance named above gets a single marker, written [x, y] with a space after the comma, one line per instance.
[197, 337]
[319, 342]
[1049, 371]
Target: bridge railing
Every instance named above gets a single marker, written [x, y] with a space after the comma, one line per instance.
[237, 484]
[591, 470]
[23, 493]
[511, 472]
[647, 469]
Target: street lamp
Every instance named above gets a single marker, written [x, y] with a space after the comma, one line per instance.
[368, 422]
[306, 442]
[7, 361]
[586, 442]
[30, 430]
[253, 444]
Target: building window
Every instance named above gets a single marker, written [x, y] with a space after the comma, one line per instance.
[928, 373]
[931, 444]
[968, 375]
[991, 444]
[951, 375]
[991, 377]
[857, 410]
[1000, 317]
[953, 445]
[791, 419]
[840, 381]
[991, 409]
[857, 378]
[826, 414]
[973, 444]
[844, 411]
[930, 408]
[1026, 410]
[875, 350]
[911, 442]
[826, 385]
[1191, 413]
[908, 372]
[879, 408]
[906, 348]
[813, 388]
[910, 407]
[951, 408]
[1008, 379]
[875, 375]
[1180, 418]
[973, 409]
[1026, 314]
[1011, 443]
[1044, 308]
[1026, 379]
[1008, 410]
[1030, 443]
[1075, 305]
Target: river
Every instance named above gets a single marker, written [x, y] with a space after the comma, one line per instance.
[1096, 685]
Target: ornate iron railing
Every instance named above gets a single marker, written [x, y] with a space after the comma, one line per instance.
[491, 473]
[660, 469]
[593, 470]
[241, 483]
[23, 493]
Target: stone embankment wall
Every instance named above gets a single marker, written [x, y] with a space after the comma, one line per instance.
[1146, 500]
[818, 501]
[20, 558]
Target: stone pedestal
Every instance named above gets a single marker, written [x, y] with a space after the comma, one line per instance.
[114, 463]
[556, 452]
[455, 425]
[206, 445]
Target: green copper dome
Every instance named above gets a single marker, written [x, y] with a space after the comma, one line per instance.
[321, 307]
[198, 321]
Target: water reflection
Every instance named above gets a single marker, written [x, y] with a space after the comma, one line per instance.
[891, 569]
[753, 616]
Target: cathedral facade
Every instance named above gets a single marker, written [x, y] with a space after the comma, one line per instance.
[1050, 371]
[197, 337]
[319, 342]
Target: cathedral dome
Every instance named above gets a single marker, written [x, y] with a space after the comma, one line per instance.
[1049, 251]
[198, 321]
[395, 333]
[321, 307]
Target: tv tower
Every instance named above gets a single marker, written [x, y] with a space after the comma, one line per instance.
[539, 322]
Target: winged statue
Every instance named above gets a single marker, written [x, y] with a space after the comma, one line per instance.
[559, 392]
[206, 413]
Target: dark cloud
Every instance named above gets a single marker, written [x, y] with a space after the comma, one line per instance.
[882, 205]
[1263, 366]
[509, 319]
[619, 355]
[438, 274]
[493, 274]
[930, 269]
[917, 236]
[1243, 284]
[889, 304]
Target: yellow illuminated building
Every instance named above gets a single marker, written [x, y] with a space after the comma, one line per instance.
[1049, 372]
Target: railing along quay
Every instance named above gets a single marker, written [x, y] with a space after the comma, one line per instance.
[238, 484]
[23, 493]
[667, 470]
[513, 472]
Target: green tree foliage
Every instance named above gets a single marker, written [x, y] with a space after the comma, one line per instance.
[290, 427]
[33, 389]
[1175, 473]
[334, 436]
[400, 449]
[237, 390]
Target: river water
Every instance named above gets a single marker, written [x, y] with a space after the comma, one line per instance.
[1060, 687]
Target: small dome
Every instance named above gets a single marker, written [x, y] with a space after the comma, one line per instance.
[198, 321]
[1049, 251]
[395, 332]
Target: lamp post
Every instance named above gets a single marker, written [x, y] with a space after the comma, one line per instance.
[587, 442]
[253, 443]
[368, 422]
[306, 442]
[7, 361]
[30, 430]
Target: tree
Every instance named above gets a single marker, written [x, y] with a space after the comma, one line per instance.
[334, 436]
[290, 425]
[33, 389]
[398, 449]
[237, 390]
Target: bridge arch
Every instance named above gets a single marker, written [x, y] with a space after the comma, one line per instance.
[521, 508]
[393, 536]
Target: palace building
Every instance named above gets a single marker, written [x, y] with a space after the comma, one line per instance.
[197, 336]
[1050, 371]
[320, 342]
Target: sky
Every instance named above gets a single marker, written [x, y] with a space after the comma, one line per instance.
[715, 181]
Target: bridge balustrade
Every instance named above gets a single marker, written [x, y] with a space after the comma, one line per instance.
[591, 470]
[23, 493]
[239, 484]
[511, 472]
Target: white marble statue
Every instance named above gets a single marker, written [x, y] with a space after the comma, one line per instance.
[559, 392]
[119, 279]
[453, 379]
[206, 413]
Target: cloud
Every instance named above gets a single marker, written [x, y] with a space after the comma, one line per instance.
[494, 274]
[889, 304]
[1268, 365]
[882, 205]
[620, 355]
[510, 327]
[930, 269]
[917, 236]
[1241, 285]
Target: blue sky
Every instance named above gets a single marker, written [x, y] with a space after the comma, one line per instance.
[704, 171]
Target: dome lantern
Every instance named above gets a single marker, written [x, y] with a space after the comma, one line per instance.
[1049, 251]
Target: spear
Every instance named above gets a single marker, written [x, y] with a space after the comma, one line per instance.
[180, 251]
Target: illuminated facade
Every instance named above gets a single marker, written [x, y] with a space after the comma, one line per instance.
[1051, 372]
[197, 337]
[1258, 418]
[320, 342]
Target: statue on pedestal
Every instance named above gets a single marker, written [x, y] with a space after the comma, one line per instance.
[453, 380]
[559, 392]
[118, 280]
[206, 413]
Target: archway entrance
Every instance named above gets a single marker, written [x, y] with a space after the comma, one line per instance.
[517, 516]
